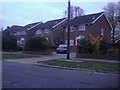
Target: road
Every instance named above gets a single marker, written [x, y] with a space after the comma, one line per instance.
[20, 75]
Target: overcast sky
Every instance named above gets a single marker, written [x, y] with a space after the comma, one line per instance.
[23, 13]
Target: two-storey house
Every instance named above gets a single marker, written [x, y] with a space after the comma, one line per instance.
[82, 26]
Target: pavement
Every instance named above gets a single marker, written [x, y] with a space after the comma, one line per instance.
[20, 75]
[36, 59]
[54, 56]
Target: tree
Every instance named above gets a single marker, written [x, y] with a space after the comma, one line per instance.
[9, 42]
[75, 11]
[112, 11]
[85, 46]
[95, 41]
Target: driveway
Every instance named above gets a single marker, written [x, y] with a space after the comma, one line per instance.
[19, 75]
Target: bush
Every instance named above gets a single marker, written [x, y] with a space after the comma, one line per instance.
[104, 46]
[9, 42]
[113, 51]
[36, 43]
[86, 47]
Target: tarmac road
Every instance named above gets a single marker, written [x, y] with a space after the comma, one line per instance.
[20, 75]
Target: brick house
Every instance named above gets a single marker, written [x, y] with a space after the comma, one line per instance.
[51, 30]
[82, 26]
[56, 30]
[18, 31]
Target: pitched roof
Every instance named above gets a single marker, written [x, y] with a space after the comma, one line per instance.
[51, 23]
[31, 25]
[14, 29]
[85, 19]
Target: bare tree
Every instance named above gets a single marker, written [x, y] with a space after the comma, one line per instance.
[75, 11]
[78, 11]
[112, 11]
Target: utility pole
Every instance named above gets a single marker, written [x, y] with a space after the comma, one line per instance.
[68, 36]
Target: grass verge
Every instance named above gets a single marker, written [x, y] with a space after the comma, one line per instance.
[16, 56]
[92, 65]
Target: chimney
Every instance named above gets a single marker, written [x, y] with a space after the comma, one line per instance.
[8, 27]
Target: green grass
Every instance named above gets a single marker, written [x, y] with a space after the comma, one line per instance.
[92, 65]
[16, 56]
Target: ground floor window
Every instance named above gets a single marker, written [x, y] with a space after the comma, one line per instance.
[71, 42]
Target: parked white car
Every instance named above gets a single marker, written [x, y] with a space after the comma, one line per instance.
[62, 48]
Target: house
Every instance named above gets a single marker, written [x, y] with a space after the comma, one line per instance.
[82, 26]
[56, 30]
[18, 31]
[52, 30]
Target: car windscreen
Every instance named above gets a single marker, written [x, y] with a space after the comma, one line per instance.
[62, 46]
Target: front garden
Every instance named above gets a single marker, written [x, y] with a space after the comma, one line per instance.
[32, 45]
[96, 48]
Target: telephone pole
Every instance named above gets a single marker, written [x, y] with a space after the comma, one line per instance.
[68, 36]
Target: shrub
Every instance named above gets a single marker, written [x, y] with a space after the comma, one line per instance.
[9, 42]
[113, 51]
[36, 43]
[104, 46]
[85, 46]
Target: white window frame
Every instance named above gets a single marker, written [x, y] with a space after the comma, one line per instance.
[46, 30]
[21, 33]
[82, 27]
[71, 42]
[102, 32]
[71, 28]
[38, 31]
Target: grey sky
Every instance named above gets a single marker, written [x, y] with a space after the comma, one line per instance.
[22, 13]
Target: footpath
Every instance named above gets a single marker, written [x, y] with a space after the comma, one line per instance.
[54, 56]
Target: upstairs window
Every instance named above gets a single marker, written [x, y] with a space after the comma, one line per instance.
[102, 32]
[39, 32]
[71, 28]
[46, 30]
[82, 27]
[23, 33]
[20, 33]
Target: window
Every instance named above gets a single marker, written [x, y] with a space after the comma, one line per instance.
[23, 32]
[71, 42]
[46, 38]
[46, 30]
[66, 28]
[71, 28]
[81, 27]
[102, 32]
[39, 32]
[20, 33]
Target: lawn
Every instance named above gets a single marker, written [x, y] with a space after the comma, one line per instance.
[16, 56]
[92, 65]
